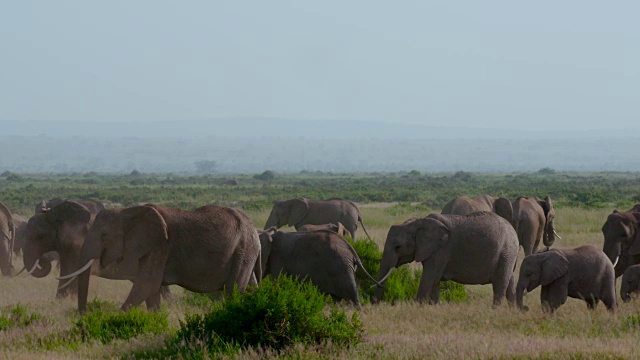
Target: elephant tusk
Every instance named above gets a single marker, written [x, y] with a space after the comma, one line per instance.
[556, 234]
[67, 283]
[384, 278]
[616, 262]
[34, 267]
[21, 271]
[77, 272]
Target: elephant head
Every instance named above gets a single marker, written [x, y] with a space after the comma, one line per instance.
[630, 282]
[549, 235]
[266, 243]
[621, 239]
[415, 240]
[540, 269]
[287, 212]
[61, 229]
[118, 239]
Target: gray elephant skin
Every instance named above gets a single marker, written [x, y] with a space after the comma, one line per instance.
[19, 224]
[323, 257]
[7, 239]
[582, 273]
[533, 220]
[93, 206]
[479, 248]
[336, 228]
[630, 282]
[302, 211]
[464, 205]
[622, 239]
[202, 250]
[61, 229]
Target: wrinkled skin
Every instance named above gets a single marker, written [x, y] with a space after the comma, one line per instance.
[301, 211]
[533, 220]
[336, 228]
[7, 238]
[464, 205]
[622, 239]
[582, 273]
[480, 248]
[61, 229]
[202, 250]
[20, 225]
[323, 257]
[93, 206]
[630, 282]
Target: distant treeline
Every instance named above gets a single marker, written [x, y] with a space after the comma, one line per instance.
[258, 191]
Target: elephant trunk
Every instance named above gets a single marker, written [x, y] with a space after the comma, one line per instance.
[386, 265]
[613, 251]
[43, 267]
[625, 291]
[5, 259]
[549, 235]
[272, 221]
[83, 290]
[522, 285]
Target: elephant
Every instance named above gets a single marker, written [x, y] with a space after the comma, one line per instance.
[19, 224]
[151, 245]
[479, 248]
[630, 282]
[622, 239]
[62, 229]
[93, 206]
[464, 205]
[635, 208]
[323, 257]
[533, 220]
[583, 273]
[302, 211]
[7, 239]
[336, 228]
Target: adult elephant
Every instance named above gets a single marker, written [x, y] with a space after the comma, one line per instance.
[20, 225]
[323, 257]
[622, 239]
[152, 245]
[533, 220]
[479, 248]
[302, 211]
[94, 206]
[7, 238]
[464, 205]
[336, 228]
[582, 273]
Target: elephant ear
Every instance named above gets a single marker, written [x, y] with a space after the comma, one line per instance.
[554, 265]
[634, 247]
[342, 230]
[70, 212]
[504, 208]
[430, 235]
[298, 209]
[266, 243]
[144, 231]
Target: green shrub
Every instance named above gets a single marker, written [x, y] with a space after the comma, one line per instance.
[631, 322]
[277, 314]
[18, 316]
[108, 326]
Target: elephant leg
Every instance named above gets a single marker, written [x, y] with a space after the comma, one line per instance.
[435, 293]
[554, 296]
[153, 301]
[511, 291]
[427, 284]
[147, 281]
[592, 303]
[67, 266]
[240, 274]
[503, 283]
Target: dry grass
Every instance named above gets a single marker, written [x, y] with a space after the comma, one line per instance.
[403, 331]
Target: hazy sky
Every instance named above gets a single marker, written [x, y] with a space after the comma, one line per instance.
[543, 64]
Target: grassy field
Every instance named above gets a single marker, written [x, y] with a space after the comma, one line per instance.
[408, 330]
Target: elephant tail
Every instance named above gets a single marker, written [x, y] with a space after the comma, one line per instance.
[363, 227]
[358, 262]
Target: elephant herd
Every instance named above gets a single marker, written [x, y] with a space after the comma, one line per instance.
[473, 241]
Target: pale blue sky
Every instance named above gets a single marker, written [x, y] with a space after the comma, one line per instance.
[495, 64]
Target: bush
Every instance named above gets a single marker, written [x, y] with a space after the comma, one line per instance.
[18, 316]
[277, 314]
[268, 175]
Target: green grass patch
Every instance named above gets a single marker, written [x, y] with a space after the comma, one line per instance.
[18, 316]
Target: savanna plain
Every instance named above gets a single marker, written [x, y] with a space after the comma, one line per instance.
[401, 329]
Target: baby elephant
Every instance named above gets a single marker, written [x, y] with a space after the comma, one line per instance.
[322, 257]
[582, 273]
[630, 282]
[336, 228]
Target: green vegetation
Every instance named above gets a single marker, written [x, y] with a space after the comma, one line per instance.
[276, 315]
[18, 316]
